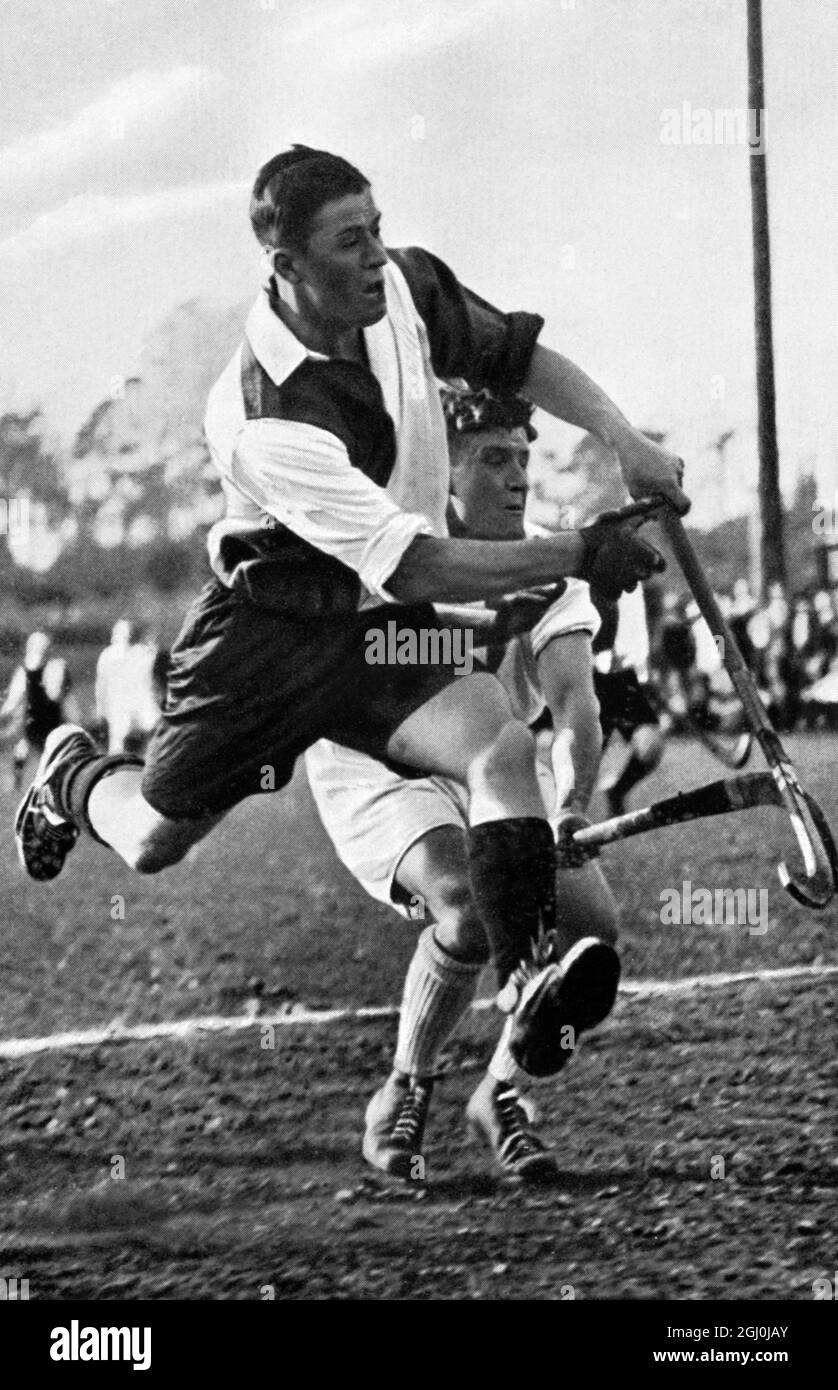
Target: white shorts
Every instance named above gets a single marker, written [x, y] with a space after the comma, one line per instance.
[373, 816]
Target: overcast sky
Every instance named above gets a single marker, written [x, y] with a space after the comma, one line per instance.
[527, 142]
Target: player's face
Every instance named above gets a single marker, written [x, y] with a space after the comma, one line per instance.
[489, 475]
[338, 277]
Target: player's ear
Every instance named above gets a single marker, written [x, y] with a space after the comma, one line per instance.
[285, 265]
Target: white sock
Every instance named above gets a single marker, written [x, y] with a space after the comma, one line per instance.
[503, 1066]
[437, 991]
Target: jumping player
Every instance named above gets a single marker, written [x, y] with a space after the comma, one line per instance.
[328, 434]
[405, 840]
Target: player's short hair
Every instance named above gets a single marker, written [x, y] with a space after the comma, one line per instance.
[468, 411]
[291, 189]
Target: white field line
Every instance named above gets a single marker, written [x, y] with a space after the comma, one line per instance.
[298, 1015]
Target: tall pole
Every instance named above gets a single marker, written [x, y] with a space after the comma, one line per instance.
[772, 550]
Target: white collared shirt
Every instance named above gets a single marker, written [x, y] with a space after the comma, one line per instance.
[300, 475]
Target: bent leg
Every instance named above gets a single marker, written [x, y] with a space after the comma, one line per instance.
[443, 974]
[435, 869]
[439, 988]
[145, 839]
[646, 747]
[467, 732]
[585, 906]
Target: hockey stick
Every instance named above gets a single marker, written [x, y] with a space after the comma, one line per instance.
[734, 756]
[808, 822]
[733, 750]
[715, 799]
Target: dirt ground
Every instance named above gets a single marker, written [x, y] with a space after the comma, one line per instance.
[695, 1131]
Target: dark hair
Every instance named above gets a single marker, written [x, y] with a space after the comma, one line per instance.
[466, 411]
[291, 189]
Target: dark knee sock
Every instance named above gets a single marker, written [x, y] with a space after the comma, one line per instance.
[74, 788]
[512, 866]
[635, 769]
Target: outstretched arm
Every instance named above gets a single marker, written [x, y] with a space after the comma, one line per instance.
[561, 388]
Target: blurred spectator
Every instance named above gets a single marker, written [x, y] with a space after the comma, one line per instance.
[39, 698]
[621, 674]
[820, 701]
[683, 684]
[826, 616]
[792, 650]
[775, 667]
[819, 696]
[742, 608]
[126, 691]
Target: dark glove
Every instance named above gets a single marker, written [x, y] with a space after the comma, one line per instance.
[616, 559]
[521, 611]
[515, 615]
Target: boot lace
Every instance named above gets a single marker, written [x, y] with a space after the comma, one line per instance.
[518, 1140]
[413, 1112]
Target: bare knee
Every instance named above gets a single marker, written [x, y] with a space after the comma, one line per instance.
[163, 846]
[509, 756]
[459, 929]
[435, 869]
[166, 843]
[648, 744]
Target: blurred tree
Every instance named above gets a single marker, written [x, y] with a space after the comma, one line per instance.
[29, 465]
[34, 504]
[140, 466]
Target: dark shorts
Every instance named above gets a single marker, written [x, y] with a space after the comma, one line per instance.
[249, 690]
[624, 704]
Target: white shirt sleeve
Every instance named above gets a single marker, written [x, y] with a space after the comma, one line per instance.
[302, 475]
[572, 612]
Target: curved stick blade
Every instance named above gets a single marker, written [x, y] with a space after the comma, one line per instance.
[820, 858]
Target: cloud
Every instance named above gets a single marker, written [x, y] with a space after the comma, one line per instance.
[357, 35]
[91, 215]
[132, 114]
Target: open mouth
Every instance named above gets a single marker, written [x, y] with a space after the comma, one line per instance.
[375, 291]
